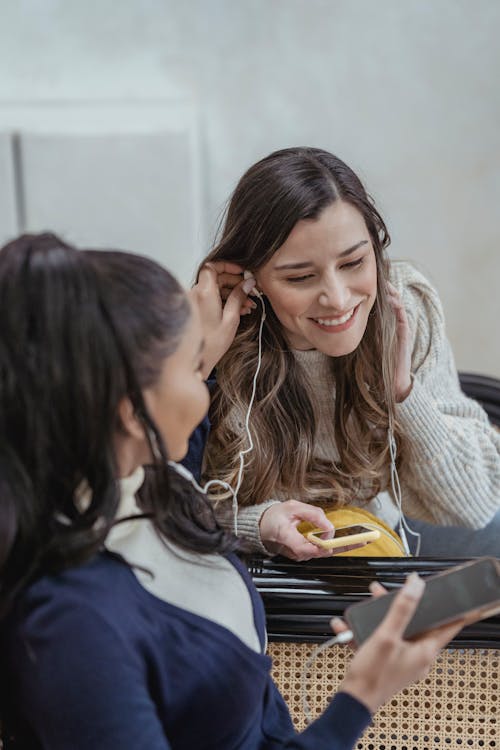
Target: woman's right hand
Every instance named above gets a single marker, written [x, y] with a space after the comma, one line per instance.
[279, 534]
[386, 663]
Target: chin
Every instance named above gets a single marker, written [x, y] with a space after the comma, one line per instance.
[339, 351]
[338, 348]
[179, 453]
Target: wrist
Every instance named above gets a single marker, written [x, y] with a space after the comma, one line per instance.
[405, 391]
[359, 690]
[266, 526]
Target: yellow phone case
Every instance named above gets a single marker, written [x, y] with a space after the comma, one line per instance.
[344, 541]
[387, 545]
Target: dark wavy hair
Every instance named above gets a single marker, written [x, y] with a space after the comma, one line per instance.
[79, 332]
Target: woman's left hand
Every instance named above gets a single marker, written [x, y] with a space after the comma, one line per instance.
[386, 663]
[402, 380]
[220, 320]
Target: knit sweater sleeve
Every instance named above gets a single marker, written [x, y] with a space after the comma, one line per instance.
[452, 476]
[248, 522]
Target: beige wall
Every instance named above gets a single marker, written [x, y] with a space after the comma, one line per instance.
[405, 91]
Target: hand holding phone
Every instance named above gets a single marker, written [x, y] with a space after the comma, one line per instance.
[468, 592]
[280, 535]
[386, 662]
[343, 536]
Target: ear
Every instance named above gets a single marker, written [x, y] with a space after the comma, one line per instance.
[128, 421]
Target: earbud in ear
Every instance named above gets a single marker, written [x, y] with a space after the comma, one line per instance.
[249, 275]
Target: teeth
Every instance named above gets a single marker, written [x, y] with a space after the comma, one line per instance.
[335, 321]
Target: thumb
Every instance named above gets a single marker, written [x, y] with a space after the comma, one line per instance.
[404, 605]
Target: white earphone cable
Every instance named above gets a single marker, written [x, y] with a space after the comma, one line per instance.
[396, 491]
[219, 482]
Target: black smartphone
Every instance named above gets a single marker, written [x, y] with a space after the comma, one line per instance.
[471, 590]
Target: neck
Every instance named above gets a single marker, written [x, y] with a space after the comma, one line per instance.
[129, 455]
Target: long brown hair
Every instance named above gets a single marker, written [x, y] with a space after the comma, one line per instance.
[271, 197]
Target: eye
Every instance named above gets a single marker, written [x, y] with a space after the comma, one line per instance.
[354, 263]
[298, 279]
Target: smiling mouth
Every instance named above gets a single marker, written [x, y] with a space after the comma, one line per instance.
[333, 322]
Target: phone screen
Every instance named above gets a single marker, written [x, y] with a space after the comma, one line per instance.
[447, 596]
[342, 531]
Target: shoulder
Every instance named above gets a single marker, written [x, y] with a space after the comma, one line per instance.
[100, 591]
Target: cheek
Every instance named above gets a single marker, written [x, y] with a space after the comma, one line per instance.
[371, 277]
[205, 399]
[195, 404]
[288, 303]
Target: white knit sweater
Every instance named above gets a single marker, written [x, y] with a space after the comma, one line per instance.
[207, 585]
[452, 475]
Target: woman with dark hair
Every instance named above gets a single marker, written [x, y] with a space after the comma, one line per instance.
[357, 400]
[126, 618]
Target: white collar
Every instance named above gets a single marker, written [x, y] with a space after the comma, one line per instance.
[128, 506]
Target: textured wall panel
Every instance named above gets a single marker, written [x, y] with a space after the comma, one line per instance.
[134, 192]
[8, 214]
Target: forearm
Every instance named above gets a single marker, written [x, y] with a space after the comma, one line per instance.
[248, 522]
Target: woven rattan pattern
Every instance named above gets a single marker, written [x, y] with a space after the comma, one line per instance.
[456, 706]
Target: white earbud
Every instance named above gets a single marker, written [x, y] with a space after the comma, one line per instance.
[249, 275]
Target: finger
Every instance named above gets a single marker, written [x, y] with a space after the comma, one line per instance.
[395, 302]
[225, 291]
[299, 546]
[229, 280]
[225, 266]
[324, 551]
[402, 319]
[313, 551]
[311, 513]
[404, 605]
[377, 589]
[338, 625]
[440, 637]
[207, 280]
[234, 303]
[249, 305]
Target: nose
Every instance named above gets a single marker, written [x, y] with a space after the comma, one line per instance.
[335, 293]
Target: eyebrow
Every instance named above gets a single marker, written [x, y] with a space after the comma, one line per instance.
[307, 264]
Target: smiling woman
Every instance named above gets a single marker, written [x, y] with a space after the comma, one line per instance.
[358, 388]
[320, 290]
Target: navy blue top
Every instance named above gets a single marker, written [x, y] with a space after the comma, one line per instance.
[197, 442]
[92, 660]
